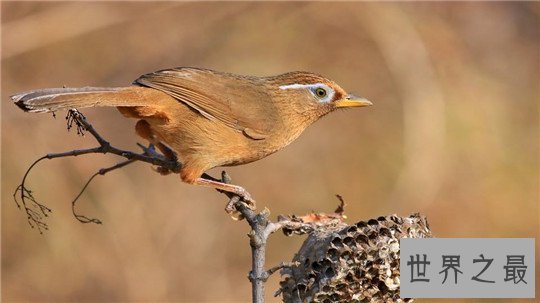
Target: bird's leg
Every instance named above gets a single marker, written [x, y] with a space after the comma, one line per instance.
[234, 189]
[143, 129]
[166, 151]
[166, 154]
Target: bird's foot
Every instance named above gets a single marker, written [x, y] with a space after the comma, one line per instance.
[151, 152]
[234, 192]
[167, 152]
[231, 209]
[236, 195]
[245, 197]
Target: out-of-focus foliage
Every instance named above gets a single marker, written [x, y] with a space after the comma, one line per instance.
[453, 134]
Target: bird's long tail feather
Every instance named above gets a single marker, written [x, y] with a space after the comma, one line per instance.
[53, 99]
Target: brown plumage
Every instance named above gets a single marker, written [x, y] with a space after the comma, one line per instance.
[209, 118]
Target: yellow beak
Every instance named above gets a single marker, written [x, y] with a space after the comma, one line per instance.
[352, 101]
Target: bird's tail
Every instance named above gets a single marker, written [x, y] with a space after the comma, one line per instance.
[53, 99]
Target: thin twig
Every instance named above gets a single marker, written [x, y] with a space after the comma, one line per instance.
[34, 218]
[282, 265]
[101, 172]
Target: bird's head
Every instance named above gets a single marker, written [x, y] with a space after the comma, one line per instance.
[312, 93]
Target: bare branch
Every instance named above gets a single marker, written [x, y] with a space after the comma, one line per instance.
[36, 212]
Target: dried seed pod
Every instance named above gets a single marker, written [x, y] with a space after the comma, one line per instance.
[351, 263]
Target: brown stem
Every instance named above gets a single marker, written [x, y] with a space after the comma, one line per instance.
[257, 240]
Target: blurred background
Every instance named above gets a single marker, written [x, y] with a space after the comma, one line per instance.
[453, 134]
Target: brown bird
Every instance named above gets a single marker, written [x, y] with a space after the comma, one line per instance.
[209, 118]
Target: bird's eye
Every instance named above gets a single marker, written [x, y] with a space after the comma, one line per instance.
[320, 92]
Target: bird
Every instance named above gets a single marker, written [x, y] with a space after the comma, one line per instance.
[209, 118]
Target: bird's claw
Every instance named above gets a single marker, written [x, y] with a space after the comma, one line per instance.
[240, 195]
[246, 197]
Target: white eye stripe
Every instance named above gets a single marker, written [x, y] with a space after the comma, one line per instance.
[312, 87]
[300, 86]
[297, 86]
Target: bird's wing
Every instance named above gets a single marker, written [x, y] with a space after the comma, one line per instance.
[230, 99]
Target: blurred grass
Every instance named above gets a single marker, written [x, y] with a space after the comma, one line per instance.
[453, 134]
